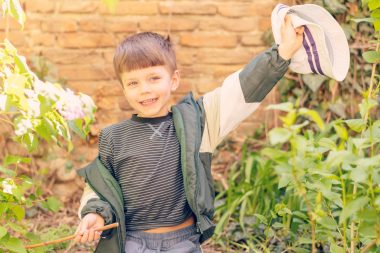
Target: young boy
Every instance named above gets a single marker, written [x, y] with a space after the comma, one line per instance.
[153, 175]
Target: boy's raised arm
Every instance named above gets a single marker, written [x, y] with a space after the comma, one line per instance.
[242, 92]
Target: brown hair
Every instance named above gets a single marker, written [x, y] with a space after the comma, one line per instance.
[142, 50]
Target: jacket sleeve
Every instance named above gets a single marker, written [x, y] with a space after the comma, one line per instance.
[239, 96]
[91, 203]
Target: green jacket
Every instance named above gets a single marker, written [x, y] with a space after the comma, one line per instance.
[200, 126]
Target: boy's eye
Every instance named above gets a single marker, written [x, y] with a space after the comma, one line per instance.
[155, 78]
[132, 83]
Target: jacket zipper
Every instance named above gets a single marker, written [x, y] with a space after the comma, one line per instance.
[116, 216]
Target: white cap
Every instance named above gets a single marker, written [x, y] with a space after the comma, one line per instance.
[325, 48]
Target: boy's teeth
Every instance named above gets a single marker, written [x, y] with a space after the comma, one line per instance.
[148, 101]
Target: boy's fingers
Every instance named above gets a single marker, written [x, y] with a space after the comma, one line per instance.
[97, 235]
[300, 30]
[84, 237]
[91, 235]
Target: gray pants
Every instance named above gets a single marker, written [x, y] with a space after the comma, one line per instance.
[185, 240]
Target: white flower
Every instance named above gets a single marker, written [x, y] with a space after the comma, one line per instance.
[48, 89]
[33, 107]
[23, 126]
[8, 185]
[3, 100]
[70, 106]
[88, 103]
[30, 93]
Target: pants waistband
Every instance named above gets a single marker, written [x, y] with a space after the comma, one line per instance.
[161, 240]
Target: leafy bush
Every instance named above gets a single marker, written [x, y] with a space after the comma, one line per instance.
[326, 195]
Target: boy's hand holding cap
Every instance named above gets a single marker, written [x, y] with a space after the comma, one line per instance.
[291, 39]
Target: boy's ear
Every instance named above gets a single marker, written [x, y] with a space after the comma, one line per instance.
[175, 80]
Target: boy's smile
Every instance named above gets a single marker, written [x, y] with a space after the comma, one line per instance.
[148, 90]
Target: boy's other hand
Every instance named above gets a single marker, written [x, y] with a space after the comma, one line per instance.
[86, 228]
[291, 39]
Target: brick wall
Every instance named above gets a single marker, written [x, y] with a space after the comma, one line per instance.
[212, 38]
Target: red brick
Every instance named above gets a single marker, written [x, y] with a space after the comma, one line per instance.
[107, 103]
[12, 24]
[187, 7]
[123, 103]
[41, 6]
[87, 87]
[73, 56]
[121, 26]
[185, 86]
[85, 72]
[85, 40]
[109, 88]
[59, 25]
[254, 39]
[42, 39]
[185, 56]
[258, 8]
[78, 6]
[208, 40]
[223, 56]
[163, 24]
[210, 24]
[239, 25]
[204, 85]
[16, 38]
[91, 25]
[132, 8]
[264, 24]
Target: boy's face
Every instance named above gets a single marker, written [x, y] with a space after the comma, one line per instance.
[148, 90]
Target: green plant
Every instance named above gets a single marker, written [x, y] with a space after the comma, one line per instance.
[327, 195]
[35, 110]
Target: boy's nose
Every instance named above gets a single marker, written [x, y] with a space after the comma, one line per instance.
[145, 87]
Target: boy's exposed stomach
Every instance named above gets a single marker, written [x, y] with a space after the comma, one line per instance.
[189, 221]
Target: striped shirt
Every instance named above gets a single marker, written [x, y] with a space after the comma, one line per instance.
[143, 154]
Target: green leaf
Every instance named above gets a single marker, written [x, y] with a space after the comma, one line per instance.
[287, 107]
[53, 204]
[15, 245]
[314, 116]
[7, 172]
[327, 143]
[376, 15]
[290, 118]
[314, 81]
[359, 175]
[18, 211]
[279, 135]
[356, 125]
[76, 126]
[46, 129]
[30, 140]
[285, 179]
[17, 12]
[248, 168]
[328, 222]
[3, 232]
[11, 159]
[371, 56]
[335, 248]
[336, 158]
[373, 4]
[261, 218]
[352, 207]
[341, 131]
